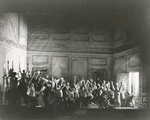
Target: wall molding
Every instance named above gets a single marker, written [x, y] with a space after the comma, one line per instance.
[124, 47]
[45, 59]
[12, 43]
[127, 52]
[74, 50]
[43, 69]
[69, 54]
[100, 61]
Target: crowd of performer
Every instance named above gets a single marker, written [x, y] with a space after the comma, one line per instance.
[41, 90]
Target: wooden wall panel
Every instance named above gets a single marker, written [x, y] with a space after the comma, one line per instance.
[99, 38]
[72, 64]
[80, 68]
[60, 66]
[40, 59]
[61, 36]
[99, 62]
[134, 60]
[120, 64]
[75, 40]
[42, 36]
[81, 37]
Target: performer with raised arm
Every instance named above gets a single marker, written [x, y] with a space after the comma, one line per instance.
[31, 91]
[40, 94]
[38, 75]
[116, 94]
[122, 95]
[22, 87]
[70, 93]
[83, 82]
[83, 95]
[76, 92]
[74, 79]
[104, 85]
[66, 94]
[59, 91]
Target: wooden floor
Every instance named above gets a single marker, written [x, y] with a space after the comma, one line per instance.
[26, 113]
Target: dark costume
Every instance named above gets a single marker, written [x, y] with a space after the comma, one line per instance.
[12, 92]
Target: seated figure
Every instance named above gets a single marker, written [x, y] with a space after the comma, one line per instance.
[130, 101]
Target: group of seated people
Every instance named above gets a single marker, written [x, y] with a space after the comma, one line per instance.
[40, 90]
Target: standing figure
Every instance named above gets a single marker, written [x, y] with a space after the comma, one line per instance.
[70, 93]
[122, 95]
[59, 91]
[31, 93]
[12, 89]
[117, 94]
[40, 93]
[76, 95]
[83, 95]
[23, 88]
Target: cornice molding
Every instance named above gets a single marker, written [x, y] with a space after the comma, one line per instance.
[12, 43]
[124, 47]
[96, 51]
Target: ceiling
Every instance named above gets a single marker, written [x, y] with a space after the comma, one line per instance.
[92, 12]
[70, 6]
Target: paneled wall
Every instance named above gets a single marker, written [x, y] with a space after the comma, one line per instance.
[48, 34]
[68, 48]
[60, 66]
[69, 64]
[126, 61]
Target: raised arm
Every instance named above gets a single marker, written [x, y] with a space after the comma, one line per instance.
[44, 79]
[87, 83]
[31, 78]
[121, 86]
[112, 86]
[42, 89]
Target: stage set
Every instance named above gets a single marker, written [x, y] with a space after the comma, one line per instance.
[75, 56]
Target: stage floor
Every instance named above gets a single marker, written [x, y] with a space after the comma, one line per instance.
[27, 113]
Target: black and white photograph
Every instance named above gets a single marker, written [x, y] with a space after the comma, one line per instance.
[74, 59]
